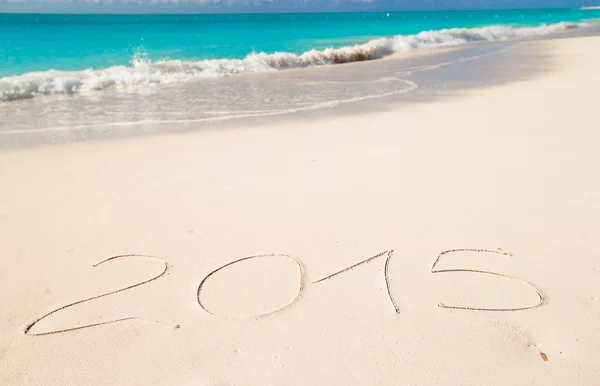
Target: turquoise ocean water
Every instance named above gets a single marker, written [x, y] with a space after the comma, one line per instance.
[76, 42]
[75, 76]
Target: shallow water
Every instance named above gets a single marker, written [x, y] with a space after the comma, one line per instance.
[274, 96]
[342, 89]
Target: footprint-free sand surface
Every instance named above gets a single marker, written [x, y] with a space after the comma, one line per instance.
[449, 243]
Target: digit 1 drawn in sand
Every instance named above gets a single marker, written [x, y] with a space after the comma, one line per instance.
[497, 252]
[164, 271]
[300, 284]
[388, 255]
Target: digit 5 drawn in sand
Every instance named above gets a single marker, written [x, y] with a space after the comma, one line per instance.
[388, 255]
[300, 285]
[164, 271]
[442, 305]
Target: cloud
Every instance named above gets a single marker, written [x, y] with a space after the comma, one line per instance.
[149, 4]
[141, 2]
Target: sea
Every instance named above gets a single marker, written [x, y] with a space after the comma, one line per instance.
[76, 75]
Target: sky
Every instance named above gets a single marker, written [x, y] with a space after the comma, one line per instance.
[226, 6]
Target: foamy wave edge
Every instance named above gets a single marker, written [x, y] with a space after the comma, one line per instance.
[143, 72]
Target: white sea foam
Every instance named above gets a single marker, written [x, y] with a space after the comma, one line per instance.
[222, 115]
[142, 72]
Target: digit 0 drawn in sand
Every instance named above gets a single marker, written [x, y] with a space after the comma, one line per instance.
[497, 252]
[388, 255]
[300, 284]
[164, 271]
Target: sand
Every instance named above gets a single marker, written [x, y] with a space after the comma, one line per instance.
[505, 178]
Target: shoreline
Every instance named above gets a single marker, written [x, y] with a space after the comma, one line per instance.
[409, 64]
[56, 132]
[275, 246]
[139, 72]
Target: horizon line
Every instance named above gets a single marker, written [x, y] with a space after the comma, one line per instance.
[284, 13]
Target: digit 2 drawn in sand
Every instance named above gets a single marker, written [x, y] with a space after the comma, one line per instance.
[300, 285]
[497, 252]
[388, 256]
[164, 271]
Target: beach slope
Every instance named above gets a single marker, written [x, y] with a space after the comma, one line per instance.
[480, 213]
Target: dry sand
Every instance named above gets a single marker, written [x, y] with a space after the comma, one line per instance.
[510, 169]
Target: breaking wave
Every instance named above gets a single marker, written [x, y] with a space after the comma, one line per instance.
[143, 72]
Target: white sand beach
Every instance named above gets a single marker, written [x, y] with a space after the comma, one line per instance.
[509, 171]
